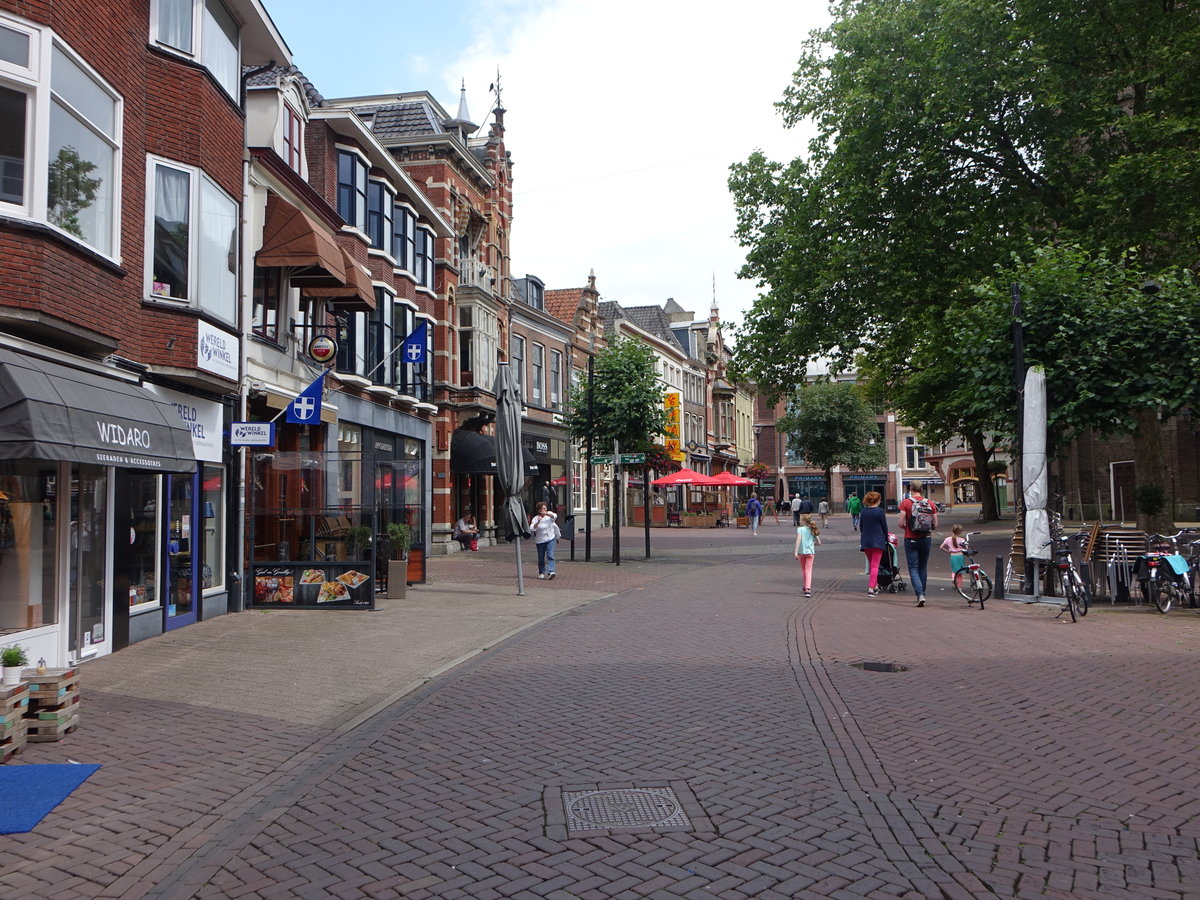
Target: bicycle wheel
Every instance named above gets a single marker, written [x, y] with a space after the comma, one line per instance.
[981, 586]
[964, 590]
[1158, 595]
[1085, 595]
[1070, 598]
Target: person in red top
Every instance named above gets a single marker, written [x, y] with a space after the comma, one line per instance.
[916, 545]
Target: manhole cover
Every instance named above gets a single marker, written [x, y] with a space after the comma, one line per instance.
[880, 667]
[629, 808]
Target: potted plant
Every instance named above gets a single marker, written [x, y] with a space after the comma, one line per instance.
[14, 659]
[358, 541]
[398, 537]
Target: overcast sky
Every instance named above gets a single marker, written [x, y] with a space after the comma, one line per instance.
[623, 117]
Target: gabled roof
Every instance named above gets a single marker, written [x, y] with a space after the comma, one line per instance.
[653, 320]
[271, 77]
[402, 119]
[563, 303]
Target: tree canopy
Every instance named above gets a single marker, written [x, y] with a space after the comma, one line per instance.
[952, 134]
[626, 400]
[830, 424]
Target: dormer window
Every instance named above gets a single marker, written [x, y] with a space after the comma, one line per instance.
[204, 31]
[293, 139]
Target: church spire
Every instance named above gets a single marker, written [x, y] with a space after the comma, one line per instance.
[462, 122]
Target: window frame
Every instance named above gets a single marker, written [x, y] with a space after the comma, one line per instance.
[516, 359]
[271, 278]
[353, 213]
[404, 226]
[197, 51]
[556, 361]
[425, 251]
[292, 139]
[196, 211]
[537, 373]
[35, 81]
[381, 204]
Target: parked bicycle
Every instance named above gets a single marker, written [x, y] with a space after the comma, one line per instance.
[971, 581]
[1162, 573]
[1075, 591]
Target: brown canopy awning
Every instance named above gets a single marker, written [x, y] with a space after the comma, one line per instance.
[292, 238]
[356, 294]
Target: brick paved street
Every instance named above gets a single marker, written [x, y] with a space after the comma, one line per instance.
[1018, 755]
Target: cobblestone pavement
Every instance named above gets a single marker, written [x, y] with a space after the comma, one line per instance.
[1017, 754]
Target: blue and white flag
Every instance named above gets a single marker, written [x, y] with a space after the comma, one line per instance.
[306, 408]
[415, 344]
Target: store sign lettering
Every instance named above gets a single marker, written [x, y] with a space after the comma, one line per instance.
[190, 416]
[120, 436]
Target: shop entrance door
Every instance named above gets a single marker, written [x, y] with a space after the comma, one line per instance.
[183, 552]
[87, 577]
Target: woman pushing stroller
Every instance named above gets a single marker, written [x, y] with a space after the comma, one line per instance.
[873, 538]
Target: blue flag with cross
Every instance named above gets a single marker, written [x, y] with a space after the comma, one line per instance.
[415, 344]
[306, 408]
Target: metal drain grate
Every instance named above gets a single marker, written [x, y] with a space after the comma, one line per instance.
[879, 667]
[587, 809]
[634, 808]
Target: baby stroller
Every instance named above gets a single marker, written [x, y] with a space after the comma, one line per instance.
[889, 578]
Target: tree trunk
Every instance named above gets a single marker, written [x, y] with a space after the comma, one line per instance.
[1150, 469]
[829, 485]
[988, 510]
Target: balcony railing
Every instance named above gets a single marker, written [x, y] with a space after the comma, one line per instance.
[477, 274]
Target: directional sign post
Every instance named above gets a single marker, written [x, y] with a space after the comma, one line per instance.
[632, 459]
[602, 460]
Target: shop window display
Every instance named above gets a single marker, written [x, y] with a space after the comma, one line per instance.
[28, 534]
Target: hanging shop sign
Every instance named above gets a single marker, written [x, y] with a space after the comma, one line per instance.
[252, 434]
[322, 348]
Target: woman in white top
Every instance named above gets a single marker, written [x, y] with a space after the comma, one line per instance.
[545, 536]
[823, 511]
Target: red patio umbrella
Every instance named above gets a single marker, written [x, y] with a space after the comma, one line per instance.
[731, 480]
[683, 476]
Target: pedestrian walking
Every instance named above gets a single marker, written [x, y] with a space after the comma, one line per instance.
[754, 511]
[806, 507]
[955, 544]
[808, 536]
[872, 538]
[545, 535]
[854, 507]
[823, 511]
[795, 504]
[919, 519]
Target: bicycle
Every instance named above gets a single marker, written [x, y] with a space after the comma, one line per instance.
[971, 582]
[1160, 582]
[1076, 595]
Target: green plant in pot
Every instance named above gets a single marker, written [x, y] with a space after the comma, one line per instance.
[14, 659]
[399, 538]
[358, 541]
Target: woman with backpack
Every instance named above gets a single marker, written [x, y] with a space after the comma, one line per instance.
[919, 518]
[754, 511]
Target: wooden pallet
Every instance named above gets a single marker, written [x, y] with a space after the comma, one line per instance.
[40, 732]
[44, 712]
[54, 685]
[11, 721]
[13, 741]
[15, 696]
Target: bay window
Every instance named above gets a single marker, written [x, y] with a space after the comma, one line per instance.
[193, 231]
[352, 189]
[59, 168]
[380, 205]
[293, 139]
[175, 24]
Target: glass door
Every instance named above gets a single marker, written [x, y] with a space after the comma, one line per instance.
[87, 631]
[183, 545]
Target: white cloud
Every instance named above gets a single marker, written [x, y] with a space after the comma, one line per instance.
[623, 118]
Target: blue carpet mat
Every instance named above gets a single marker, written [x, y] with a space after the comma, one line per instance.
[27, 793]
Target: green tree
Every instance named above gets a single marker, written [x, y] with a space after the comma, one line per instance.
[949, 134]
[626, 400]
[830, 424]
[71, 190]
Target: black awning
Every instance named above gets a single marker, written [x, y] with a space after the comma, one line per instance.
[472, 453]
[52, 412]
